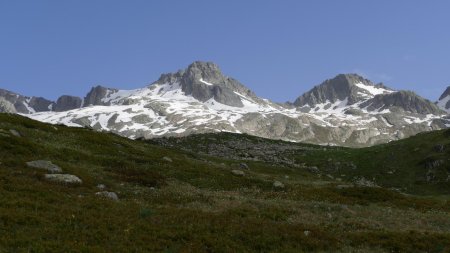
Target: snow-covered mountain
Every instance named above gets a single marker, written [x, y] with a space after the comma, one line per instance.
[346, 110]
[444, 100]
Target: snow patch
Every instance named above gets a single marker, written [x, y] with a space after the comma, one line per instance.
[372, 89]
[205, 82]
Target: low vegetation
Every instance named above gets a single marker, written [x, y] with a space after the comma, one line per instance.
[179, 198]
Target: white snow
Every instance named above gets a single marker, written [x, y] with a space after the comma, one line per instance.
[205, 82]
[26, 104]
[166, 109]
[372, 89]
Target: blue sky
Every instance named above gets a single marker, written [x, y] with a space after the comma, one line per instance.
[279, 49]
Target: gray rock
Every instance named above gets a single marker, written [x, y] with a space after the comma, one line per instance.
[97, 94]
[167, 159]
[63, 179]
[101, 186]
[109, 195]
[313, 169]
[65, 103]
[361, 181]
[222, 89]
[47, 165]
[278, 185]
[445, 105]
[405, 100]
[6, 106]
[238, 173]
[340, 88]
[23, 104]
[15, 133]
[40, 104]
[244, 166]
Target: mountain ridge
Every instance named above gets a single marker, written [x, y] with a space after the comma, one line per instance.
[346, 110]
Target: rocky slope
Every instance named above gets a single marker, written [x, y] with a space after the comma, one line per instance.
[444, 100]
[347, 110]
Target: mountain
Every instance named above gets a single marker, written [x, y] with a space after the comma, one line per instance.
[12, 102]
[350, 88]
[444, 100]
[347, 110]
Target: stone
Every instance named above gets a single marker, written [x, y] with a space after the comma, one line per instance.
[109, 195]
[238, 173]
[63, 178]
[15, 133]
[365, 182]
[47, 165]
[101, 186]
[306, 232]
[244, 166]
[313, 169]
[167, 159]
[6, 106]
[278, 185]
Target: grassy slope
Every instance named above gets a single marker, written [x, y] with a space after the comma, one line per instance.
[193, 204]
[400, 164]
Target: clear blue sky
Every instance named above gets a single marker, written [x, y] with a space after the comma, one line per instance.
[279, 49]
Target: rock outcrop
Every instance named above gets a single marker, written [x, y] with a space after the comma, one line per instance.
[66, 103]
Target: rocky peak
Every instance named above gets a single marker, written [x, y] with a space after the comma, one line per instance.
[445, 94]
[97, 95]
[66, 103]
[351, 87]
[40, 104]
[207, 71]
[204, 80]
[444, 100]
[23, 104]
[402, 100]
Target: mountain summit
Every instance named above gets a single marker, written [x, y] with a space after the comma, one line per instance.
[346, 110]
[205, 81]
[444, 100]
[349, 87]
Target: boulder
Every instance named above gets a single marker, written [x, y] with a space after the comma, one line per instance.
[109, 195]
[244, 166]
[167, 159]
[313, 169]
[47, 165]
[278, 185]
[63, 178]
[15, 133]
[101, 186]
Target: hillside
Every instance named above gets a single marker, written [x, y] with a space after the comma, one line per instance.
[182, 195]
[416, 165]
